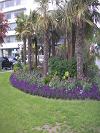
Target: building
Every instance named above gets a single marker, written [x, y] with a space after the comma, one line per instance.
[11, 9]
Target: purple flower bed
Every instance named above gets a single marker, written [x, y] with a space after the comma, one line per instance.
[46, 91]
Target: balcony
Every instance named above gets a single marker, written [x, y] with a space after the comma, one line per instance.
[13, 8]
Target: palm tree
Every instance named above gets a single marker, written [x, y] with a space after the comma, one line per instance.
[56, 29]
[28, 31]
[33, 19]
[25, 29]
[81, 20]
[76, 13]
[62, 23]
[68, 28]
[35, 46]
[53, 32]
[43, 21]
[21, 21]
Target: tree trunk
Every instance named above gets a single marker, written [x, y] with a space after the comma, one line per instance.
[46, 47]
[24, 50]
[29, 54]
[36, 53]
[45, 65]
[53, 49]
[53, 44]
[69, 41]
[73, 39]
[79, 49]
[65, 43]
[49, 50]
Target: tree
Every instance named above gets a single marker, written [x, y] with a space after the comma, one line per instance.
[28, 31]
[33, 19]
[43, 21]
[3, 27]
[76, 13]
[69, 28]
[25, 29]
[21, 21]
[34, 41]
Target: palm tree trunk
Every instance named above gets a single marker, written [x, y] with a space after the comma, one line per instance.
[53, 48]
[36, 54]
[65, 42]
[53, 44]
[49, 50]
[79, 49]
[69, 41]
[24, 50]
[45, 65]
[73, 38]
[46, 47]
[29, 54]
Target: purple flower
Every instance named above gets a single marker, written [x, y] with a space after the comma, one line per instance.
[76, 93]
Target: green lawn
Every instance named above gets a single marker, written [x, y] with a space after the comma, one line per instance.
[23, 113]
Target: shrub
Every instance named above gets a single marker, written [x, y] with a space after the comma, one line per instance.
[66, 75]
[47, 79]
[92, 72]
[72, 67]
[26, 68]
[61, 66]
[96, 80]
[85, 85]
[17, 67]
[55, 87]
[55, 82]
[58, 66]
[34, 77]
[90, 68]
[69, 84]
[52, 81]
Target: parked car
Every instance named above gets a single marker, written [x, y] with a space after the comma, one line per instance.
[13, 60]
[5, 63]
[1, 59]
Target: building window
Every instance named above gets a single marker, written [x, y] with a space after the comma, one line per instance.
[8, 15]
[9, 3]
[7, 39]
[13, 39]
[10, 39]
[18, 2]
[17, 13]
[1, 5]
[12, 26]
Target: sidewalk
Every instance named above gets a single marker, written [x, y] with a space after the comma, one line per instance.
[3, 71]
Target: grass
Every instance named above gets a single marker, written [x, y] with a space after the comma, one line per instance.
[23, 113]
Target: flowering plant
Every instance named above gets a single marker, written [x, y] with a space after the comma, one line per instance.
[64, 93]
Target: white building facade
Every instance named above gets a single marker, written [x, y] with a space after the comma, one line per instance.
[11, 9]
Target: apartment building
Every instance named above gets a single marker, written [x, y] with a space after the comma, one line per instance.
[11, 9]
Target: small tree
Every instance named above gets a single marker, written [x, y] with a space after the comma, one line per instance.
[3, 27]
